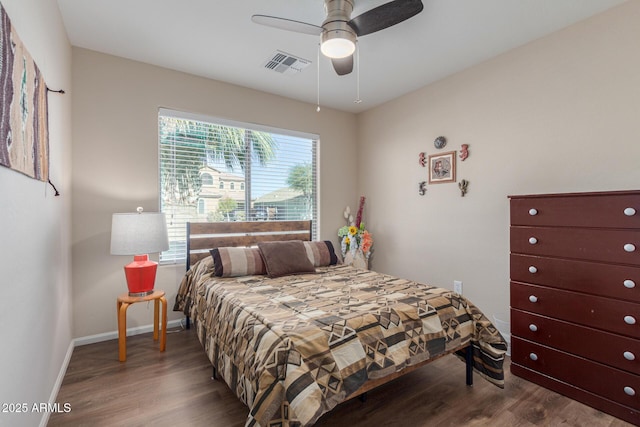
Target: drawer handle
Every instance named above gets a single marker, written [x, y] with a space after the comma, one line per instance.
[534, 212]
[629, 356]
[533, 356]
[534, 298]
[533, 241]
[533, 269]
[629, 284]
[629, 247]
[627, 212]
[629, 320]
[533, 328]
[629, 391]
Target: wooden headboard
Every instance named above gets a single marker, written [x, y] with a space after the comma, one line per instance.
[203, 236]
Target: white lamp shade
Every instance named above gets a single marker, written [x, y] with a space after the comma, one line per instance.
[138, 233]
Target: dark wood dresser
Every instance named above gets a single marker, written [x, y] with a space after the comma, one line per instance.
[575, 297]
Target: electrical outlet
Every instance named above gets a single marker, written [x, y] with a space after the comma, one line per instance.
[457, 287]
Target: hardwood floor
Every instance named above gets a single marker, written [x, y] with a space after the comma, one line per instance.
[174, 388]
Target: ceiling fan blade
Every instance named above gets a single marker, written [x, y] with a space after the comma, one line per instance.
[385, 16]
[287, 24]
[343, 65]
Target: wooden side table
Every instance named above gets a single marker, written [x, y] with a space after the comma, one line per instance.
[124, 301]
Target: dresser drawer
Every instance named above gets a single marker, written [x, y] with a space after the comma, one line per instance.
[615, 384]
[618, 246]
[615, 281]
[604, 347]
[606, 314]
[620, 210]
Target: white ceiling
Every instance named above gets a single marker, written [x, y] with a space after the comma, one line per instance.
[218, 40]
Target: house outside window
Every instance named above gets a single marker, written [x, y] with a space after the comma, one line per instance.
[262, 174]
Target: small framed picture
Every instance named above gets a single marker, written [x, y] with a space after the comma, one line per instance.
[442, 167]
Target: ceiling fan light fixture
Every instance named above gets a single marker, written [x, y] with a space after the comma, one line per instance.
[338, 44]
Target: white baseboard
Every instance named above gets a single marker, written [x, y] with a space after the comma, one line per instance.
[113, 335]
[56, 387]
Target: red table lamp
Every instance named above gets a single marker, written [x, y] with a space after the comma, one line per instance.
[139, 234]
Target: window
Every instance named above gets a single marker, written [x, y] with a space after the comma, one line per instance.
[232, 186]
[275, 171]
[207, 179]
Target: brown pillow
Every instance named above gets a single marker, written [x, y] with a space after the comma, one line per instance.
[288, 257]
[233, 262]
[321, 254]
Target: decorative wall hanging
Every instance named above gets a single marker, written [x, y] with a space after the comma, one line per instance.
[440, 142]
[442, 168]
[422, 188]
[24, 129]
[462, 185]
[464, 152]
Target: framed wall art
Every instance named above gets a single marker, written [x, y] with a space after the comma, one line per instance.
[442, 167]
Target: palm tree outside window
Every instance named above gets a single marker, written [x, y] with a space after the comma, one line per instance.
[275, 169]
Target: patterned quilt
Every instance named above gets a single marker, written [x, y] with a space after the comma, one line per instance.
[294, 347]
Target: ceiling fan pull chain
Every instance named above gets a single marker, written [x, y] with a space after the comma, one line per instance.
[318, 85]
[358, 100]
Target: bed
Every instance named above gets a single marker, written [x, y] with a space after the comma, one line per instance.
[294, 345]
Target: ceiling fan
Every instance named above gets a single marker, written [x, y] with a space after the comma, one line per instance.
[339, 31]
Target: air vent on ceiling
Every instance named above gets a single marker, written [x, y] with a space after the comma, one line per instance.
[285, 63]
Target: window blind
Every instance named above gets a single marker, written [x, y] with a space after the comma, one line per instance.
[215, 170]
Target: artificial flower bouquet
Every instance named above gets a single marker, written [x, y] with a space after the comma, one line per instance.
[355, 241]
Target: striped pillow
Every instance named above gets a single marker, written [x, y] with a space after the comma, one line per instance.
[321, 254]
[233, 262]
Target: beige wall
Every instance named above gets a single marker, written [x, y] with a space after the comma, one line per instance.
[560, 114]
[115, 165]
[35, 271]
